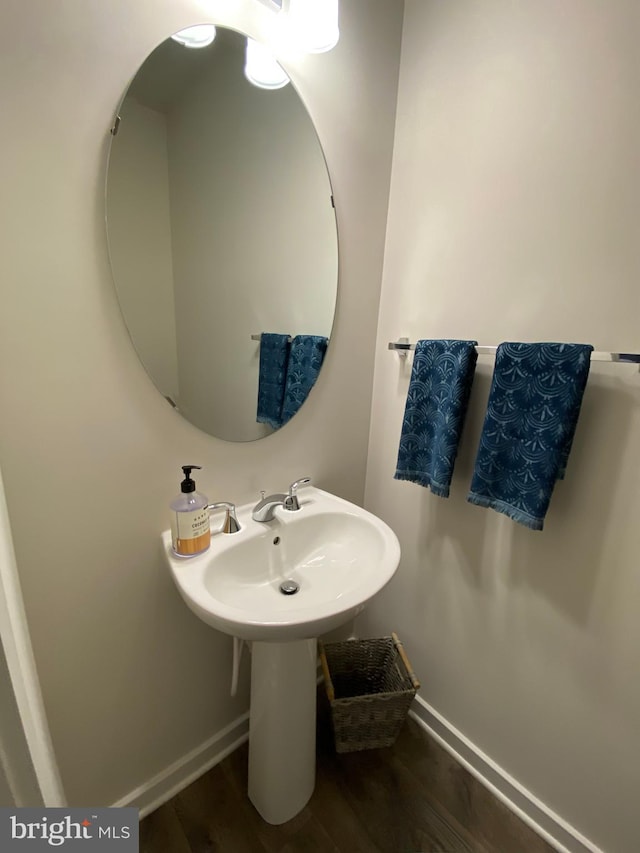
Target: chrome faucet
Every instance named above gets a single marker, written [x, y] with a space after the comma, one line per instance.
[265, 508]
[230, 524]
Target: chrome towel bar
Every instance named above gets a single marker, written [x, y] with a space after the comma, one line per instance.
[403, 346]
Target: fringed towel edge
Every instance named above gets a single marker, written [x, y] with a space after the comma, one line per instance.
[422, 479]
[512, 512]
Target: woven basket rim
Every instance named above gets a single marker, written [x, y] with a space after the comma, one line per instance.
[392, 657]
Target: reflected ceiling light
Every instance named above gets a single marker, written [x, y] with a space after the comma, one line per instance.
[201, 35]
[261, 68]
[313, 24]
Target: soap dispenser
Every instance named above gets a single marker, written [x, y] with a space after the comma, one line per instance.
[190, 525]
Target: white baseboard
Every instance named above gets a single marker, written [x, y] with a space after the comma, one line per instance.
[556, 831]
[173, 779]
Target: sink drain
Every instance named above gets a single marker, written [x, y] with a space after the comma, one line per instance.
[289, 587]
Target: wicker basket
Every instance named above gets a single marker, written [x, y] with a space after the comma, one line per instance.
[370, 685]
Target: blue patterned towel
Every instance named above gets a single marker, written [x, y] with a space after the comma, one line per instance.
[529, 426]
[305, 360]
[436, 406]
[274, 356]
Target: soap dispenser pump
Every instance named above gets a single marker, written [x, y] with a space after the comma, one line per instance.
[190, 525]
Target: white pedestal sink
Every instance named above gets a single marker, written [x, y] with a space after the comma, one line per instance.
[338, 557]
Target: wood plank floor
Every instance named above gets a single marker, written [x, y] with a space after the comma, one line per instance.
[410, 798]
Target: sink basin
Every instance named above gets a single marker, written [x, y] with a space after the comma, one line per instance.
[338, 554]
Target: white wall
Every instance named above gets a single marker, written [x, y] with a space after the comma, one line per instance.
[254, 236]
[139, 224]
[29, 772]
[18, 784]
[7, 798]
[89, 450]
[513, 216]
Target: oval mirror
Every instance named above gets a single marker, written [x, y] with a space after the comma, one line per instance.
[222, 238]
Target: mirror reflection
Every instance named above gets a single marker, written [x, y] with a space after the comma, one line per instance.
[221, 228]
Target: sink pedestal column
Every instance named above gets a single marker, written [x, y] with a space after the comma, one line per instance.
[282, 728]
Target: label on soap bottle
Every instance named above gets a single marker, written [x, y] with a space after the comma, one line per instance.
[190, 531]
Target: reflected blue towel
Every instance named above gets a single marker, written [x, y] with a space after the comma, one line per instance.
[305, 360]
[274, 356]
[437, 399]
[529, 426]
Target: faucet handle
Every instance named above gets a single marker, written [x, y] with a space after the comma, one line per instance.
[231, 524]
[292, 502]
[303, 481]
